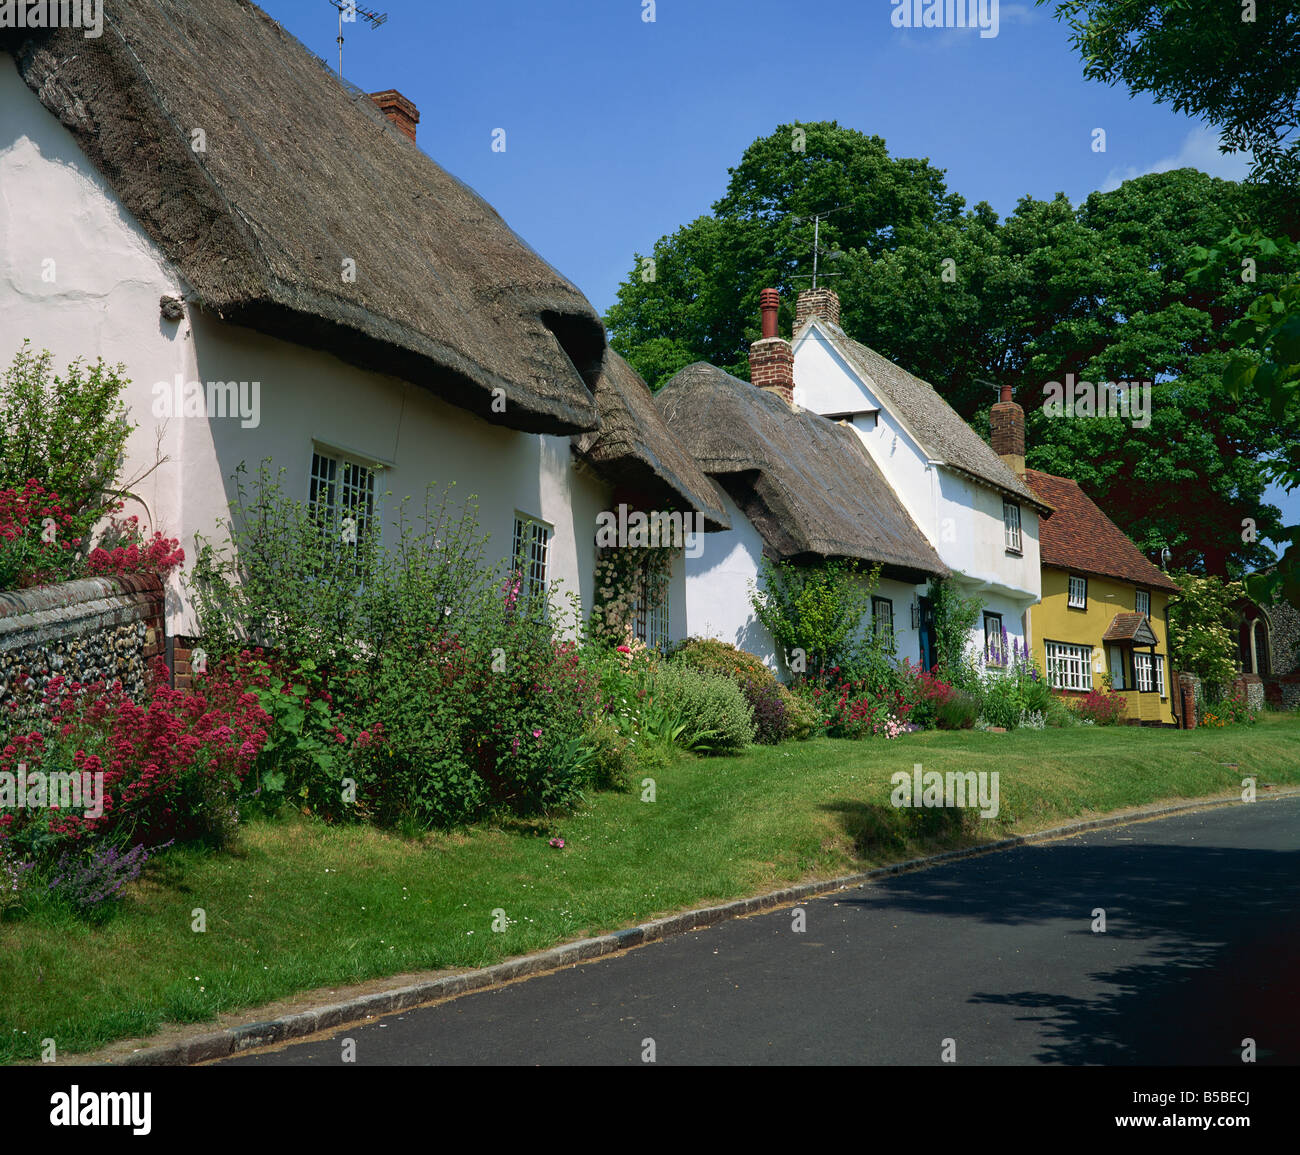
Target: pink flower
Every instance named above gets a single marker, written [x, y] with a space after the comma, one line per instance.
[558, 843]
[537, 733]
[624, 649]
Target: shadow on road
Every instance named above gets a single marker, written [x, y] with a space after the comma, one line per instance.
[1219, 928]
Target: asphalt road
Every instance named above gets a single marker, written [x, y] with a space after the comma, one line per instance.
[1201, 950]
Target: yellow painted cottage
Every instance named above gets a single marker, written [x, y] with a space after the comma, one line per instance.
[1104, 606]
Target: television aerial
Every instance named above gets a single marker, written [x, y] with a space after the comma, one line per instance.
[349, 11]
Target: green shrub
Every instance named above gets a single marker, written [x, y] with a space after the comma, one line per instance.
[800, 715]
[609, 760]
[712, 711]
[815, 613]
[958, 711]
[478, 706]
[756, 681]
[1059, 714]
[67, 433]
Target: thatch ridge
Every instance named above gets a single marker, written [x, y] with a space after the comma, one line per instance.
[937, 425]
[299, 173]
[807, 483]
[635, 448]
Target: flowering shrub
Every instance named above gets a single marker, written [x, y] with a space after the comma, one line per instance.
[1018, 689]
[1100, 708]
[927, 691]
[855, 709]
[36, 543]
[1231, 709]
[124, 550]
[170, 766]
[86, 883]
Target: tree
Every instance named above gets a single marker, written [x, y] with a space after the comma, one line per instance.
[699, 297]
[1237, 65]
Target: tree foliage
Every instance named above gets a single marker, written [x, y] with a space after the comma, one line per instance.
[1237, 65]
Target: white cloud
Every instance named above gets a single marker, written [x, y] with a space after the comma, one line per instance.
[1200, 149]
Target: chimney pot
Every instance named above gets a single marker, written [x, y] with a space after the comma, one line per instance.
[769, 301]
[771, 359]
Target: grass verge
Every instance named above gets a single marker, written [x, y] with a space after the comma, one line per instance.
[297, 905]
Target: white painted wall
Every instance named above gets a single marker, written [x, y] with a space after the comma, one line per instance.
[102, 298]
[718, 602]
[718, 583]
[960, 517]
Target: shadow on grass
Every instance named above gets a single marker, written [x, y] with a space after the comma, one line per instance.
[885, 833]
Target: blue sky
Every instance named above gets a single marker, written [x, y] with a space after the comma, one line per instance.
[619, 130]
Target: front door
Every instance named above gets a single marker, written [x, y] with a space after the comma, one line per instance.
[926, 632]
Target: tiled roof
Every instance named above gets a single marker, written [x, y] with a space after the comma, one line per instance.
[1129, 627]
[1079, 537]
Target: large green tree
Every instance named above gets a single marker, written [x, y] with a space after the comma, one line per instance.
[1238, 67]
[695, 296]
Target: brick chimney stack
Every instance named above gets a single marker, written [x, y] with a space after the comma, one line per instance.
[1007, 432]
[771, 360]
[399, 110]
[824, 303]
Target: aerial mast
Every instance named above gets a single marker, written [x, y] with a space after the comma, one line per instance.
[349, 10]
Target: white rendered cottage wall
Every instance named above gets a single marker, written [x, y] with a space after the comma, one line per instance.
[960, 517]
[718, 592]
[718, 587]
[78, 276]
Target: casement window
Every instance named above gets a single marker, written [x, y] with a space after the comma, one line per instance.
[1069, 667]
[1011, 523]
[1142, 602]
[1160, 675]
[995, 640]
[1078, 592]
[650, 607]
[1144, 672]
[341, 496]
[882, 619]
[531, 553]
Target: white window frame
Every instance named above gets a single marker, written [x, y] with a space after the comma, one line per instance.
[534, 534]
[1069, 666]
[883, 623]
[1011, 524]
[1138, 598]
[1160, 675]
[650, 621]
[1144, 672]
[994, 652]
[351, 488]
[1079, 602]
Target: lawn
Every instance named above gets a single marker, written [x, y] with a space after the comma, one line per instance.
[299, 905]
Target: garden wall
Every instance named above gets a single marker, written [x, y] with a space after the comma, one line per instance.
[107, 628]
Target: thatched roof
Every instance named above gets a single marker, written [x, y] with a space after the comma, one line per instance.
[635, 449]
[299, 174]
[805, 482]
[942, 434]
